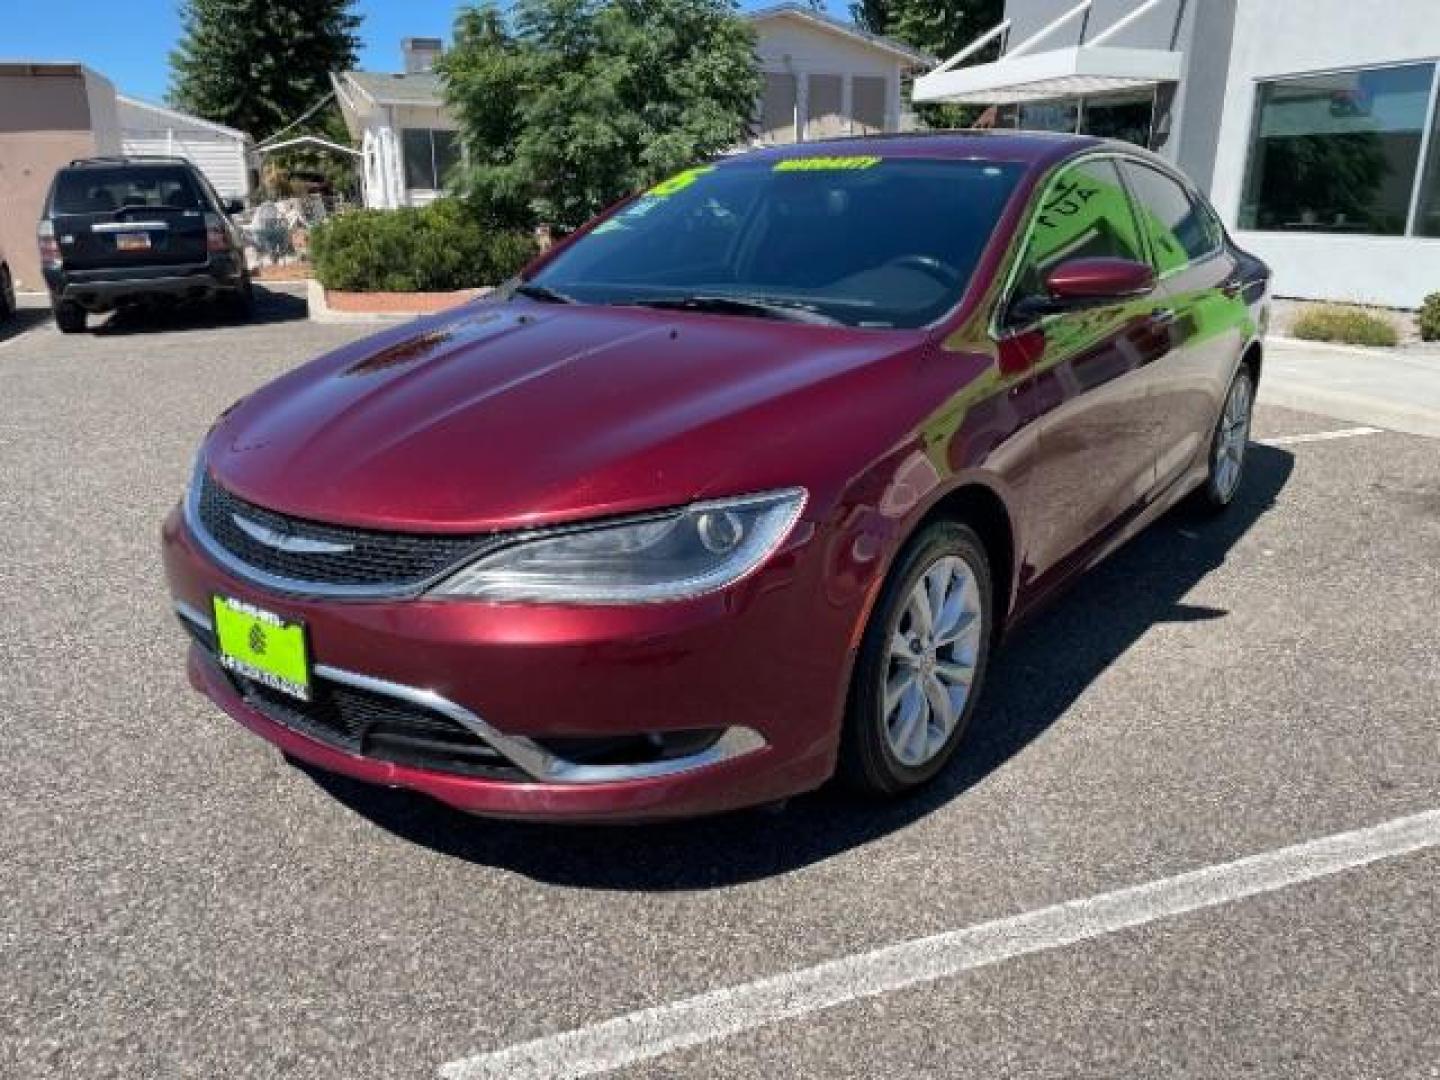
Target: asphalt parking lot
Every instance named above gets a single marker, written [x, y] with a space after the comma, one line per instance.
[179, 902]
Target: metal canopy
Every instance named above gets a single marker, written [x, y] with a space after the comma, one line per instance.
[1058, 73]
[1089, 67]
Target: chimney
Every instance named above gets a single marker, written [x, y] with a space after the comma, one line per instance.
[420, 54]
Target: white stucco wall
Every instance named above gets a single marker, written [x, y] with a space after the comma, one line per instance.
[1274, 38]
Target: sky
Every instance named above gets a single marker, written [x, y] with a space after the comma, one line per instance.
[129, 41]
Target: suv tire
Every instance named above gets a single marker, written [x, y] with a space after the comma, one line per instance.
[69, 317]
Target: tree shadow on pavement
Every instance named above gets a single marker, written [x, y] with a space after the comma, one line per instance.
[1034, 679]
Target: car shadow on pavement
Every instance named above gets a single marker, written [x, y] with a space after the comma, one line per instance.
[1035, 677]
[270, 307]
[21, 320]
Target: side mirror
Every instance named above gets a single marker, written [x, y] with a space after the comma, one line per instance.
[234, 206]
[1079, 283]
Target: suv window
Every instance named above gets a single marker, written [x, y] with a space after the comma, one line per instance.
[1179, 230]
[1084, 213]
[105, 189]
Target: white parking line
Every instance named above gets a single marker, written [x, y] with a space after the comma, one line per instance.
[1320, 436]
[650, 1033]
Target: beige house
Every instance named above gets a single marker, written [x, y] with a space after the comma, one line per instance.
[50, 113]
[823, 78]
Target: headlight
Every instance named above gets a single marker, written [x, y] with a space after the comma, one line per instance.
[672, 556]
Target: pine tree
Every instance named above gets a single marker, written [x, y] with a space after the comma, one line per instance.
[940, 27]
[258, 64]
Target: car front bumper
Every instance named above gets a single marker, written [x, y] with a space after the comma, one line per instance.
[766, 662]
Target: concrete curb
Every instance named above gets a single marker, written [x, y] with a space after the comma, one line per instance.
[1427, 351]
[321, 312]
[1346, 405]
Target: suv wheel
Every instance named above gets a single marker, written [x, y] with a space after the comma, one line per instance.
[7, 293]
[69, 317]
[921, 663]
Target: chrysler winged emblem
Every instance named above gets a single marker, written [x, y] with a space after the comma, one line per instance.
[284, 541]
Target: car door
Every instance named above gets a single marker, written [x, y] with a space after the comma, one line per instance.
[1203, 305]
[1095, 462]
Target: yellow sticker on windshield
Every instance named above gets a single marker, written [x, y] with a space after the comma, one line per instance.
[678, 182]
[825, 164]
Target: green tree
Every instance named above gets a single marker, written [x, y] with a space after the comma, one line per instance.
[258, 64]
[939, 27]
[567, 105]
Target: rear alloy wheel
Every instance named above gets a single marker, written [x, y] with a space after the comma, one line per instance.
[69, 317]
[1228, 444]
[921, 664]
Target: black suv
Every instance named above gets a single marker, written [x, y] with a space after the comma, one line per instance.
[125, 230]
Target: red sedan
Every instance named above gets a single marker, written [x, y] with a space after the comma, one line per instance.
[737, 488]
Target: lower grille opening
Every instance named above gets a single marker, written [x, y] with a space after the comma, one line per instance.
[633, 749]
[380, 727]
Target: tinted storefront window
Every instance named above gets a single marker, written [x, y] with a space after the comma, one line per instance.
[1337, 153]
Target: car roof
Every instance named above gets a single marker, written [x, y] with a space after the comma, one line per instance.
[138, 161]
[1034, 148]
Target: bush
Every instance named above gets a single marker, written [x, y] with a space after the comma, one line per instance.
[1350, 325]
[1429, 318]
[433, 248]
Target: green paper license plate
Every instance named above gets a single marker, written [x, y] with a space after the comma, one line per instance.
[263, 646]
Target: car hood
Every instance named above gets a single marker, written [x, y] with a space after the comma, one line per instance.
[507, 415]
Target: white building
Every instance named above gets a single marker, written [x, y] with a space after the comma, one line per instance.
[222, 153]
[823, 78]
[1311, 123]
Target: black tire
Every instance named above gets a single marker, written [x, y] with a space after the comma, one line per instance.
[7, 294]
[1221, 486]
[867, 761]
[69, 317]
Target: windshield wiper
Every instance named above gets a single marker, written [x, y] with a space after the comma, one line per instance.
[789, 310]
[543, 293]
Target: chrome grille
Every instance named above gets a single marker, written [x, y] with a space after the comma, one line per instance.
[370, 559]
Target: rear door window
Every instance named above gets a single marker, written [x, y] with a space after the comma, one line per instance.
[103, 190]
[1178, 229]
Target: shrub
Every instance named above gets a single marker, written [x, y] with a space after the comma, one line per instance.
[1429, 318]
[1350, 325]
[432, 248]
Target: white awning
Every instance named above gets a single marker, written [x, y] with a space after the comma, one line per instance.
[1057, 73]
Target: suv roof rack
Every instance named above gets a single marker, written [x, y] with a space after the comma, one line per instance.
[125, 159]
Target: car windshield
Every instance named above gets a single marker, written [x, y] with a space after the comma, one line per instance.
[857, 240]
[94, 190]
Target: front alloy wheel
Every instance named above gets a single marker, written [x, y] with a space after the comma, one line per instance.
[921, 664]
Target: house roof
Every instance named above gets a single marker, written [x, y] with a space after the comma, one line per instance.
[846, 29]
[383, 88]
[175, 114]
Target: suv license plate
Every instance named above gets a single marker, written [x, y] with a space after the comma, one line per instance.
[132, 241]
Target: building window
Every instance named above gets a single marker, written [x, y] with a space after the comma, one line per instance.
[429, 155]
[1338, 153]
